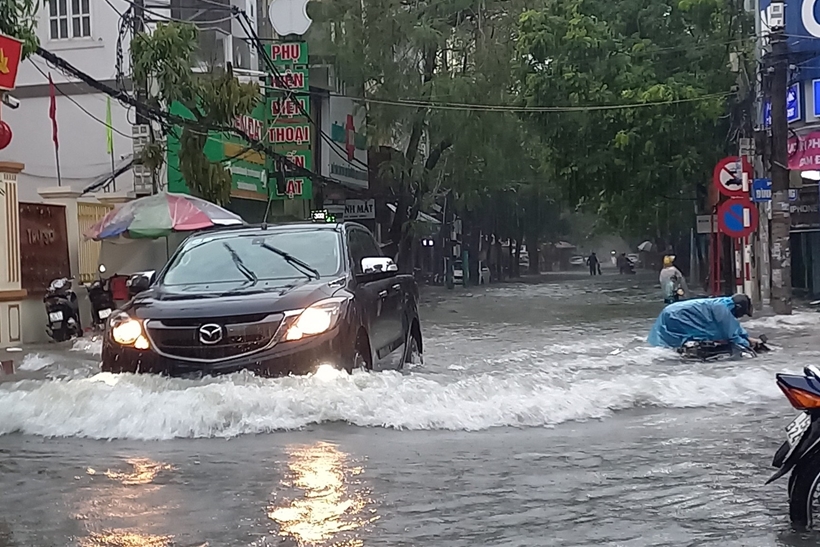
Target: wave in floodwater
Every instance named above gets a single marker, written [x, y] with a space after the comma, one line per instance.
[800, 320]
[489, 383]
[107, 406]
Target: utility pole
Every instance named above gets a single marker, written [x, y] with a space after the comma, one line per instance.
[781, 277]
[138, 23]
[140, 91]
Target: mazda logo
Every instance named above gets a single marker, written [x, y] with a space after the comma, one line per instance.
[210, 334]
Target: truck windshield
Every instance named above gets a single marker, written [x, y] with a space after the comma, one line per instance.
[245, 260]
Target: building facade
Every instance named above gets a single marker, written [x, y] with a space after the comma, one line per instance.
[85, 33]
[802, 30]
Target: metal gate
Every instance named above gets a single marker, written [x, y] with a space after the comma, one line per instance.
[88, 214]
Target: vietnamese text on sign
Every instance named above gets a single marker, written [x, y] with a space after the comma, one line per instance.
[360, 209]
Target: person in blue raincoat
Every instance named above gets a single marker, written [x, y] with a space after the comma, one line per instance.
[703, 320]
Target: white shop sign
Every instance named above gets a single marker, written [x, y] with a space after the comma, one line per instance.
[360, 209]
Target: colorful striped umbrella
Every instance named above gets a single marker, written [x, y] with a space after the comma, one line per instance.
[159, 215]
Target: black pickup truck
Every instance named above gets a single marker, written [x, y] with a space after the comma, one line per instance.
[276, 300]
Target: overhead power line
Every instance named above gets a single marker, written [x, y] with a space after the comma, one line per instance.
[78, 105]
[437, 105]
[167, 119]
[256, 42]
[168, 18]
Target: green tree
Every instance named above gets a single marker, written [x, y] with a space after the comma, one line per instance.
[456, 51]
[18, 19]
[165, 61]
[636, 167]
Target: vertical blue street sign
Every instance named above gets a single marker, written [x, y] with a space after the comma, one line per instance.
[793, 112]
[815, 85]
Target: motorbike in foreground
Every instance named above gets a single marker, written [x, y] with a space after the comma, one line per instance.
[800, 453]
[711, 351]
[62, 310]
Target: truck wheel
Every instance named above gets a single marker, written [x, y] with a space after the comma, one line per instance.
[361, 354]
[804, 495]
[412, 349]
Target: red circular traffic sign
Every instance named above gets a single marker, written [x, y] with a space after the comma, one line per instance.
[729, 179]
[737, 217]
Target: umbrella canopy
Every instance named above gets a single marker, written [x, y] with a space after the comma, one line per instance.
[159, 215]
[645, 247]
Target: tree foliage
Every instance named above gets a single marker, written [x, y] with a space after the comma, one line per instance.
[18, 19]
[638, 168]
[165, 61]
[450, 51]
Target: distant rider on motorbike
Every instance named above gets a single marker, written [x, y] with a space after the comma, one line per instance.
[703, 320]
[672, 281]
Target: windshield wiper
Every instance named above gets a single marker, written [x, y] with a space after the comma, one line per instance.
[241, 265]
[292, 260]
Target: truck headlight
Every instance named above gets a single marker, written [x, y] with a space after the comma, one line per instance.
[318, 318]
[127, 331]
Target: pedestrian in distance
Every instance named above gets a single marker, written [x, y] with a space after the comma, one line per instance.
[594, 265]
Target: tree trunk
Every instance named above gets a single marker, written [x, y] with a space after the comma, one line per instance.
[515, 259]
[498, 255]
[532, 250]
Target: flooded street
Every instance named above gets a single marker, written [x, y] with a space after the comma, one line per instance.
[540, 417]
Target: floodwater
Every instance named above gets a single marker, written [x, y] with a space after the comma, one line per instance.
[539, 418]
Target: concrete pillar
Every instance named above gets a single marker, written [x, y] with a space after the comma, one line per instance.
[65, 196]
[116, 198]
[12, 293]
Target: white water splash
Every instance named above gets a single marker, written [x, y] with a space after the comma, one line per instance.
[35, 361]
[92, 346]
[148, 407]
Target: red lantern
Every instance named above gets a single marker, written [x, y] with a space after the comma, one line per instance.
[5, 134]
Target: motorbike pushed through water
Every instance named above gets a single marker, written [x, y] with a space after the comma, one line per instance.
[800, 453]
[102, 300]
[712, 351]
[62, 311]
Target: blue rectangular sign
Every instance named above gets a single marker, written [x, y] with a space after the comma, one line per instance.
[793, 112]
[815, 85]
[761, 190]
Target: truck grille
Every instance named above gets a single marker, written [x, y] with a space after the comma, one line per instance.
[181, 338]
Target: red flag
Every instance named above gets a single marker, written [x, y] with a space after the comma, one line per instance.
[52, 111]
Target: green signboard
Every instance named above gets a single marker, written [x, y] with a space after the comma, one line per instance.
[283, 106]
[290, 131]
[289, 53]
[247, 167]
[291, 79]
[280, 121]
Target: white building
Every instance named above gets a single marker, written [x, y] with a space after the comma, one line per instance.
[87, 39]
[85, 33]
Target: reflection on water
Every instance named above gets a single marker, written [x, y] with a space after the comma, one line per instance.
[121, 538]
[333, 501]
[145, 471]
[133, 499]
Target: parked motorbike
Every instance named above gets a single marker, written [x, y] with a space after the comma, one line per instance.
[63, 311]
[800, 454]
[102, 301]
[711, 351]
